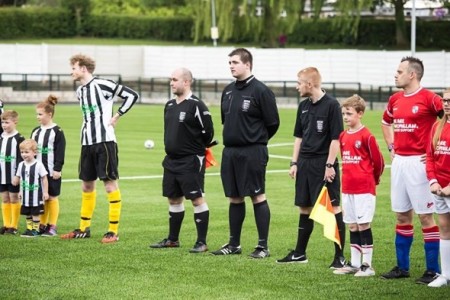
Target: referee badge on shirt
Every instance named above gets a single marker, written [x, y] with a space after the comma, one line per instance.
[245, 105]
[182, 116]
[319, 126]
[358, 144]
[415, 109]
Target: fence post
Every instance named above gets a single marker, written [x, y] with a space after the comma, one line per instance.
[199, 87]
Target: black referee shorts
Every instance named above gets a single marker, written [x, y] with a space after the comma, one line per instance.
[99, 161]
[309, 182]
[184, 177]
[243, 170]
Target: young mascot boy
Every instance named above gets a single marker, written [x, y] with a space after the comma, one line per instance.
[362, 166]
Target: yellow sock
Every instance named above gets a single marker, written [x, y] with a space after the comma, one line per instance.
[53, 208]
[115, 206]
[44, 217]
[29, 223]
[35, 225]
[6, 213]
[15, 215]
[87, 209]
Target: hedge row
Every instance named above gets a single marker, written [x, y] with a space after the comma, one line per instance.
[35, 23]
[371, 32]
[169, 29]
[60, 23]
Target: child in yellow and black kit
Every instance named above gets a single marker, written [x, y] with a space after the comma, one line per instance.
[9, 159]
[32, 176]
[51, 151]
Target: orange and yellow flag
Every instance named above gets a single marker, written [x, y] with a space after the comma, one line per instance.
[323, 213]
[209, 157]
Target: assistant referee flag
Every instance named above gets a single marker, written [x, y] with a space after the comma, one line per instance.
[323, 213]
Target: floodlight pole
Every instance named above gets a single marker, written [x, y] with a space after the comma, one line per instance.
[214, 29]
[413, 28]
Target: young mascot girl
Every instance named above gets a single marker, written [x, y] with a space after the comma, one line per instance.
[51, 150]
[438, 173]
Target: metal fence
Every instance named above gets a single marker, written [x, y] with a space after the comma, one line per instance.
[148, 87]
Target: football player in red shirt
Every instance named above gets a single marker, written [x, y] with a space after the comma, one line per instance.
[406, 127]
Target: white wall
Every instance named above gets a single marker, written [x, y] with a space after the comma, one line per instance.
[376, 68]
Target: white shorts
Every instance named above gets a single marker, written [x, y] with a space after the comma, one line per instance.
[358, 208]
[409, 186]
[442, 204]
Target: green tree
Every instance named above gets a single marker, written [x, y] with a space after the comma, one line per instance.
[263, 20]
[80, 10]
[12, 2]
[350, 16]
[117, 7]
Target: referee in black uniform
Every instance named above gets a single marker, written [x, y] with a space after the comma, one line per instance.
[314, 160]
[250, 118]
[99, 151]
[188, 130]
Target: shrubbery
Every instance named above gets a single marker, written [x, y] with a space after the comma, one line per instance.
[135, 27]
[36, 23]
[60, 23]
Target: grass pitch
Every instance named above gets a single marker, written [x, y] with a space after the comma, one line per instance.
[50, 268]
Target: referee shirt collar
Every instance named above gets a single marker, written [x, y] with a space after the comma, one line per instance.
[321, 97]
[188, 96]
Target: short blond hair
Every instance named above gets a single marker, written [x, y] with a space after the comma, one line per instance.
[313, 76]
[355, 101]
[29, 144]
[10, 115]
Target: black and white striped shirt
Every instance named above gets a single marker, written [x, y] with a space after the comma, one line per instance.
[51, 146]
[31, 182]
[96, 102]
[9, 156]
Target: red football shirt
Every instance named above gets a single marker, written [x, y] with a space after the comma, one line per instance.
[362, 162]
[412, 116]
[438, 158]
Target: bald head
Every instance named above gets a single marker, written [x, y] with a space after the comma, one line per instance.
[184, 74]
[180, 82]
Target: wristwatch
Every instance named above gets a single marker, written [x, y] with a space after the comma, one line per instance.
[292, 163]
[328, 165]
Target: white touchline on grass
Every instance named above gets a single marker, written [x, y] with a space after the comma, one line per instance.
[207, 174]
